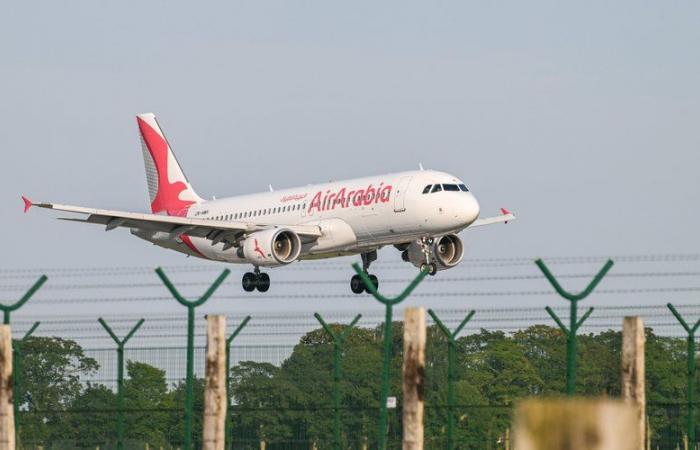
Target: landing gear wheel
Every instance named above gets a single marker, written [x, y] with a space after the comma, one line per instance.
[249, 282]
[375, 281]
[263, 282]
[431, 268]
[356, 284]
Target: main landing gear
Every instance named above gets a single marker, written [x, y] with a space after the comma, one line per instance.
[256, 280]
[356, 284]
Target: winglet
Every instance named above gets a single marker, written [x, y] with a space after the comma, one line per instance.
[505, 212]
[27, 204]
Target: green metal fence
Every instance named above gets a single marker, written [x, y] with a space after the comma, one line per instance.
[295, 382]
[290, 403]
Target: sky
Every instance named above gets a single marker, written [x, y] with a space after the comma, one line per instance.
[582, 118]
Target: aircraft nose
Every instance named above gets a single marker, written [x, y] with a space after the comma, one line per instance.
[471, 209]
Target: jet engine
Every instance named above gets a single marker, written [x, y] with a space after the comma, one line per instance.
[273, 247]
[447, 251]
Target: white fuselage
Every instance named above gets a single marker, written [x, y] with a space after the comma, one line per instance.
[355, 215]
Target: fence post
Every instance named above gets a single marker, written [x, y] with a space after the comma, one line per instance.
[17, 378]
[386, 362]
[214, 422]
[574, 324]
[229, 409]
[189, 382]
[575, 424]
[414, 334]
[120, 376]
[451, 377]
[338, 339]
[632, 371]
[7, 422]
[691, 372]
[6, 311]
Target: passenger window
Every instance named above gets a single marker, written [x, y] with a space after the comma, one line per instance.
[427, 188]
[451, 187]
[463, 188]
[436, 188]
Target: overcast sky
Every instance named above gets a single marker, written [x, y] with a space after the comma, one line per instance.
[582, 118]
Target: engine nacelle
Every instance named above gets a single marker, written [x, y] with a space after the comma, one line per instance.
[447, 252]
[273, 247]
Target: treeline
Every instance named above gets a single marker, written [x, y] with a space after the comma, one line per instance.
[290, 407]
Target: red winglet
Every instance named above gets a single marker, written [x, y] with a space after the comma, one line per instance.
[27, 204]
[505, 211]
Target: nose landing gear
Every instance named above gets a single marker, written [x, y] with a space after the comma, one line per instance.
[257, 280]
[356, 284]
[427, 247]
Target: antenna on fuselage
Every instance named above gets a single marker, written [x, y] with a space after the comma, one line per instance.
[420, 166]
[271, 190]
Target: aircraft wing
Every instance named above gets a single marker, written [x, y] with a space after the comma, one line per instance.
[216, 230]
[505, 217]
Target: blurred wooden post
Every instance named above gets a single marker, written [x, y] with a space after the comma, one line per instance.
[633, 381]
[7, 415]
[576, 424]
[215, 385]
[414, 335]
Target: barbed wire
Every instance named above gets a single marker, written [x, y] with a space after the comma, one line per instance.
[327, 296]
[442, 279]
[495, 262]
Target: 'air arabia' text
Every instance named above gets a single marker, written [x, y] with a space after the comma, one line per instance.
[344, 198]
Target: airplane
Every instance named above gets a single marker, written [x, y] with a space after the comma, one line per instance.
[419, 212]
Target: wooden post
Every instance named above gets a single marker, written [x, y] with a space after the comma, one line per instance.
[7, 416]
[576, 424]
[215, 385]
[633, 383]
[414, 335]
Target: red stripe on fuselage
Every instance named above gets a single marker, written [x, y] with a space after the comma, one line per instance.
[188, 242]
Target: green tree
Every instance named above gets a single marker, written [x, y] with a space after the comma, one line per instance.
[51, 383]
[175, 405]
[92, 417]
[147, 402]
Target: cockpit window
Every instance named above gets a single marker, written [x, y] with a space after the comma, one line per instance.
[450, 187]
[463, 188]
[427, 188]
[436, 188]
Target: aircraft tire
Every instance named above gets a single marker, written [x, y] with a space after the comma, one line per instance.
[356, 285]
[249, 282]
[375, 281]
[263, 282]
[433, 269]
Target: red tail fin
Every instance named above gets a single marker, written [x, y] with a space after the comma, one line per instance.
[169, 189]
